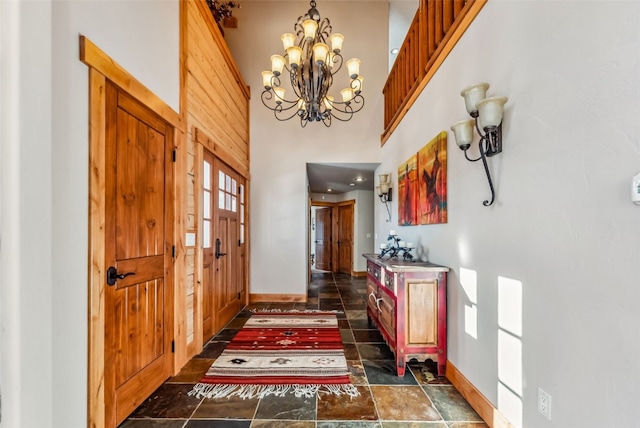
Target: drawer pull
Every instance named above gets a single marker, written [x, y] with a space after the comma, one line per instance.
[378, 303]
[372, 297]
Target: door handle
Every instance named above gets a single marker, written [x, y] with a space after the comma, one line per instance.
[113, 275]
[218, 253]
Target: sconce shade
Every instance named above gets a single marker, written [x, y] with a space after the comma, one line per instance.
[463, 132]
[379, 190]
[490, 111]
[472, 94]
[383, 178]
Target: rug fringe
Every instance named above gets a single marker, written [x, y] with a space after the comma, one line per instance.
[217, 390]
[293, 311]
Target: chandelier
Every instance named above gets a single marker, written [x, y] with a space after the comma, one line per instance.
[311, 65]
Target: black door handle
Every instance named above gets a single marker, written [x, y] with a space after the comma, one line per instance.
[113, 275]
[218, 253]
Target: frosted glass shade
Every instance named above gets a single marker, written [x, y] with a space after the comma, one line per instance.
[302, 105]
[336, 42]
[383, 178]
[353, 67]
[277, 64]
[463, 132]
[490, 111]
[473, 94]
[379, 190]
[288, 40]
[279, 94]
[295, 54]
[320, 52]
[267, 78]
[347, 94]
[384, 187]
[328, 102]
[310, 27]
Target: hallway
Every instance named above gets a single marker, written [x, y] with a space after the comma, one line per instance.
[419, 399]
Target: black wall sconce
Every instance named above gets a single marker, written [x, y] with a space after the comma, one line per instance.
[384, 191]
[487, 116]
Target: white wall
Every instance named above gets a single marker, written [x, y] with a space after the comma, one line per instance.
[280, 150]
[562, 233]
[45, 187]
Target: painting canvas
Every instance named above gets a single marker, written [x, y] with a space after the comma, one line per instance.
[407, 192]
[432, 181]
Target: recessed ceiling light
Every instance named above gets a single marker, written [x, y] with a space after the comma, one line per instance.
[358, 179]
[395, 51]
[352, 184]
[329, 190]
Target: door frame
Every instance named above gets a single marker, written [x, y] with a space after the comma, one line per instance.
[334, 231]
[103, 68]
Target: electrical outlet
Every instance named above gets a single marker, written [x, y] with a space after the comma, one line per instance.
[544, 403]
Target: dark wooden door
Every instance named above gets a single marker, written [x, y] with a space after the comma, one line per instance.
[323, 239]
[138, 227]
[345, 238]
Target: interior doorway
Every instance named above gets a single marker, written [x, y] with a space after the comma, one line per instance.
[331, 232]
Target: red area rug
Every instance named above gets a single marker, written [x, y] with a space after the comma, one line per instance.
[276, 353]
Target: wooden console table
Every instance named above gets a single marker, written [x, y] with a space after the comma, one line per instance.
[407, 301]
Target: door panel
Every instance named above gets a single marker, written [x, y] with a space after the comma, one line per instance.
[323, 239]
[138, 309]
[345, 238]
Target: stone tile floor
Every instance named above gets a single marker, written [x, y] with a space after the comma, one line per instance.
[420, 399]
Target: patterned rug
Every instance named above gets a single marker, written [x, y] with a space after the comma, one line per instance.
[276, 353]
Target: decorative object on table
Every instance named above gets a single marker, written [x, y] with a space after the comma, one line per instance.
[384, 192]
[311, 65]
[275, 353]
[396, 247]
[408, 192]
[432, 179]
[487, 115]
[222, 11]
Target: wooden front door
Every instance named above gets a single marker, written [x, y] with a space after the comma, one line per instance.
[228, 243]
[323, 239]
[138, 228]
[345, 238]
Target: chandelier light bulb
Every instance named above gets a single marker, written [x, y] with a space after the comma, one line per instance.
[295, 54]
[328, 102]
[347, 94]
[288, 40]
[277, 64]
[279, 94]
[302, 105]
[336, 42]
[267, 78]
[320, 53]
[353, 66]
[310, 28]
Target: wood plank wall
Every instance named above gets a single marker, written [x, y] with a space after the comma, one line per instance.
[215, 103]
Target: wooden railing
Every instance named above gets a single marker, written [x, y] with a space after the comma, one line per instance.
[436, 28]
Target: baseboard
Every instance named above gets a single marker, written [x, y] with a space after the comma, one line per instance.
[358, 274]
[277, 298]
[479, 402]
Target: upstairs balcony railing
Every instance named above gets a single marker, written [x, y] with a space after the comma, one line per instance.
[436, 28]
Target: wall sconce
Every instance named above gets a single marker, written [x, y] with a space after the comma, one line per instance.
[487, 115]
[384, 191]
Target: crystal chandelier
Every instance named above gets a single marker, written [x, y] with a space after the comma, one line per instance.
[311, 65]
